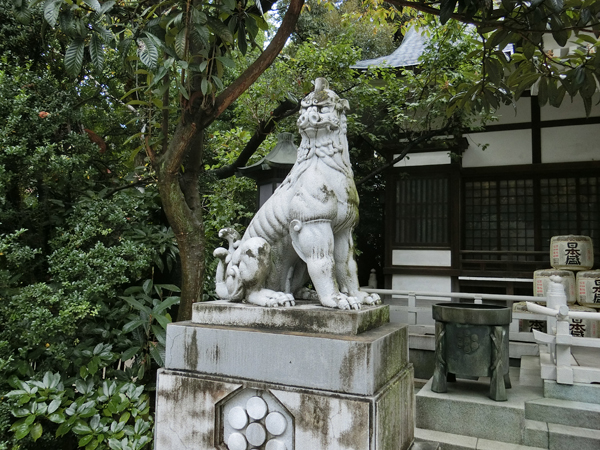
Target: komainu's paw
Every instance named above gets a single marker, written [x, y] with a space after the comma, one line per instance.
[269, 298]
[306, 294]
[341, 301]
[368, 299]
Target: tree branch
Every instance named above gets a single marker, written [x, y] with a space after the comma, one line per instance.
[411, 145]
[265, 127]
[504, 21]
[251, 74]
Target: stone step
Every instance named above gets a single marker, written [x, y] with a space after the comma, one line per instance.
[535, 433]
[565, 437]
[579, 392]
[466, 410]
[563, 412]
[558, 437]
[450, 441]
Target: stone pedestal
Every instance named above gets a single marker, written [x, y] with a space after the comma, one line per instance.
[299, 378]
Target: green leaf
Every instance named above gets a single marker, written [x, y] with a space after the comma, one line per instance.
[96, 52]
[94, 444]
[561, 37]
[51, 10]
[74, 57]
[528, 49]
[20, 428]
[556, 5]
[56, 417]
[204, 86]
[589, 85]
[94, 4]
[129, 327]
[93, 366]
[137, 305]
[36, 431]
[166, 303]
[23, 15]
[200, 35]
[54, 405]
[162, 320]
[198, 17]
[20, 412]
[107, 6]
[242, 44]
[157, 355]
[229, 4]
[147, 52]
[147, 286]
[180, 43]
[63, 429]
[85, 440]
[227, 61]
[525, 82]
[497, 37]
[446, 10]
[557, 96]
[587, 103]
[494, 69]
[130, 353]
[81, 427]
[220, 29]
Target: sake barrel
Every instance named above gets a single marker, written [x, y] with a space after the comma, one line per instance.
[571, 252]
[583, 327]
[588, 288]
[541, 282]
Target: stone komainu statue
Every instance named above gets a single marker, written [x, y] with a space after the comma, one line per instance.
[304, 231]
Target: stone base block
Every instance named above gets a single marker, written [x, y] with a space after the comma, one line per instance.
[359, 364]
[203, 412]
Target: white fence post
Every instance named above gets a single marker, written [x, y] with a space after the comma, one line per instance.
[412, 303]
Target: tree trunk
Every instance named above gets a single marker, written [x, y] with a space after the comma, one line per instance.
[181, 204]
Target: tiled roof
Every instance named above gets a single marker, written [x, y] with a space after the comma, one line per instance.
[407, 54]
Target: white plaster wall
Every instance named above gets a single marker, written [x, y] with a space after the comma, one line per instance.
[428, 283]
[506, 148]
[569, 144]
[424, 159]
[570, 109]
[439, 258]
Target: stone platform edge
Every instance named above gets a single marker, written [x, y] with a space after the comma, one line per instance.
[307, 317]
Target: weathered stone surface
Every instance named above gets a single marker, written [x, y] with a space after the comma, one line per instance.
[360, 364]
[186, 411]
[322, 420]
[307, 317]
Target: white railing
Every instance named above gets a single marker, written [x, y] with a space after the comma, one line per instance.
[414, 308]
[557, 362]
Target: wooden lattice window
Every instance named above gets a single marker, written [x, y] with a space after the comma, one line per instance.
[524, 214]
[570, 206]
[422, 211]
[499, 215]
